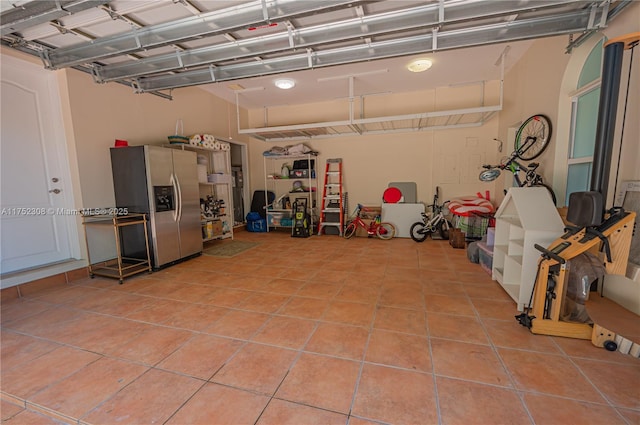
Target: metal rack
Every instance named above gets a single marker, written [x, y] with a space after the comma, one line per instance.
[119, 267]
[277, 214]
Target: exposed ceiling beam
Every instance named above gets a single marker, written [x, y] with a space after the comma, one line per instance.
[555, 24]
[362, 26]
[206, 24]
[40, 12]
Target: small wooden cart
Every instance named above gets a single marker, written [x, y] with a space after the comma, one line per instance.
[119, 267]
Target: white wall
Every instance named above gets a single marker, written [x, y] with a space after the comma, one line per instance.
[450, 158]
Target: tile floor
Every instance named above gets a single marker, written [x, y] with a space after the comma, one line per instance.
[302, 331]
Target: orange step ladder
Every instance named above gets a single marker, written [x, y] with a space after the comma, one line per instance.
[332, 198]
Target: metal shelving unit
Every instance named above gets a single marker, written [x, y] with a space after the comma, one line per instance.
[217, 224]
[279, 215]
[119, 267]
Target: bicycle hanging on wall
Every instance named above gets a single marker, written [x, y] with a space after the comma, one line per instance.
[532, 139]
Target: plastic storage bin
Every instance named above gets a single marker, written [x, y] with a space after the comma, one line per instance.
[486, 257]
[491, 236]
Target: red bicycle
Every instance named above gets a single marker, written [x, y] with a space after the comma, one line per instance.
[381, 229]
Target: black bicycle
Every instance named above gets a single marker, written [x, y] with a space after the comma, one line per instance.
[532, 139]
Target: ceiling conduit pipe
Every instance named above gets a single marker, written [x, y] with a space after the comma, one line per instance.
[607, 109]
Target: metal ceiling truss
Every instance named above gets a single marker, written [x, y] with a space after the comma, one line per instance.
[205, 24]
[356, 28]
[437, 40]
[357, 37]
[39, 12]
[459, 118]
[436, 120]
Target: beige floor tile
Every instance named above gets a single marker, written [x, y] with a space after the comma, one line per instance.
[262, 302]
[196, 317]
[495, 309]
[89, 386]
[401, 320]
[582, 348]
[280, 412]
[357, 294]
[320, 381]
[632, 416]
[227, 297]
[27, 417]
[548, 374]
[307, 308]
[448, 305]
[284, 286]
[487, 290]
[25, 381]
[152, 398]
[195, 322]
[548, 410]
[152, 345]
[348, 313]
[322, 290]
[19, 349]
[9, 410]
[238, 324]
[220, 405]
[338, 340]
[201, 356]
[513, 335]
[288, 332]
[463, 402]
[472, 362]
[617, 382]
[400, 350]
[256, 367]
[459, 328]
[158, 310]
[20, 308]
[404, 296]
[443, 287]
[395, 396]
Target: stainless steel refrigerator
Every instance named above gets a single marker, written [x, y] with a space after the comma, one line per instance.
[162, 183]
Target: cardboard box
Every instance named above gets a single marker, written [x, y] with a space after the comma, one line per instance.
[370, 212]
[216, 228]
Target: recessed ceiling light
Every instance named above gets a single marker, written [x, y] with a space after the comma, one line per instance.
[419, 65]
[285, 83]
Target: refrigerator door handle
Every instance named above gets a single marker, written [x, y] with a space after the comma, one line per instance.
[176, 191]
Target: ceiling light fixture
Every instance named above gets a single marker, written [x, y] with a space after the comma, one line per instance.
[285, 83]
[419, 65]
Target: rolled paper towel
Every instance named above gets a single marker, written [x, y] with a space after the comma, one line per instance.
[215, 146]
[226, 146]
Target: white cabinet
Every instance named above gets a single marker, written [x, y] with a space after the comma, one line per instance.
[216, 196]
[527, 216]
[288, 185]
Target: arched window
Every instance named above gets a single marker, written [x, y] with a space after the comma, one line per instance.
[584, 117]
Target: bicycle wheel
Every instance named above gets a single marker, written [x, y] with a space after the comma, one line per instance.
[443, 229]
[418, 232]
[551, 192]
[385, 231]
[350, 230]
[538, 128]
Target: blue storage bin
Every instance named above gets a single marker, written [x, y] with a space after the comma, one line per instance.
[257, 225]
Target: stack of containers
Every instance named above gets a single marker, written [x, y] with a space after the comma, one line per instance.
[486, 250]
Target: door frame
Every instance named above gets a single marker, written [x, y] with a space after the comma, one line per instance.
[244, 152]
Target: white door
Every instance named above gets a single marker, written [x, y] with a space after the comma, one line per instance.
[34, 174]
